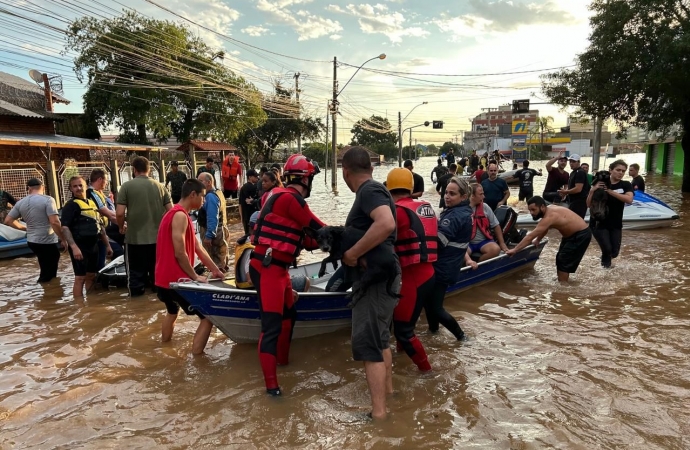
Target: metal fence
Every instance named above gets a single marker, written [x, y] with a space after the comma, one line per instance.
[127, 172]
[13, 180]
[67, 171]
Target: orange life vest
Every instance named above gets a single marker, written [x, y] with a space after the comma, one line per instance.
[231, 166]
[419, 243]
[479, 220]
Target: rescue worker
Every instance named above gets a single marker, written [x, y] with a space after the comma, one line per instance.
[278, 240]
[83, 228]
[416, 246]
[231, 173]
[212, 220]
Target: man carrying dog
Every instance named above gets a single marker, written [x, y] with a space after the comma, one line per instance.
[578, 188]
[575, 231]
[373, 211]
[278, 240]
[417, 247]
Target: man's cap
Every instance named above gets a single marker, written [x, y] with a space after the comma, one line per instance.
[33, 182]
[252, 173]
[407, 163]
[174, 163]
[574, 157]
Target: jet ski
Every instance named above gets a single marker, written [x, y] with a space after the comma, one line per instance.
[644, 213]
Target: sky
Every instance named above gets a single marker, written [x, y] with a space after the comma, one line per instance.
[459, 56]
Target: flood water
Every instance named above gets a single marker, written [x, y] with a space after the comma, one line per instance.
[601, 363]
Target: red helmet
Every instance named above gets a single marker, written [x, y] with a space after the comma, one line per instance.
[299, 165]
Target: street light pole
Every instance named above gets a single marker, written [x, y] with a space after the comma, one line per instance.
[400, 133]
[334, 113]
[425, 124]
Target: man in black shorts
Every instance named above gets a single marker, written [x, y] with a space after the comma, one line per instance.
[575, 231]
[578, 187]
[374, 212]
[526, 177]
[82, 228]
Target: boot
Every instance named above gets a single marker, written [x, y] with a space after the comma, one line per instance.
[419, 357]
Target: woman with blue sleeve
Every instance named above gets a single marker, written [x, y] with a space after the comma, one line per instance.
[454, 232]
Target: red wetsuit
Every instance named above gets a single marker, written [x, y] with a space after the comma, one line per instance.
[279, 228]
[416, 246]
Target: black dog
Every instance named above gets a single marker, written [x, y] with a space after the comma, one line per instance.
[598, 208]
[337, 240]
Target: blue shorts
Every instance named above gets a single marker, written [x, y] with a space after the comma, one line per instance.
[476, 248]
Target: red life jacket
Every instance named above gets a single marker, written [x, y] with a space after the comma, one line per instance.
[480, 220]
[419, 243]
[279, 233]
[230, 167]
[168, 270]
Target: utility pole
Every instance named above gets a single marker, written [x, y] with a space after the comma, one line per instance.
[325, 169]
[399, 139]
[334, 141]
[596, 143]
[299, 134]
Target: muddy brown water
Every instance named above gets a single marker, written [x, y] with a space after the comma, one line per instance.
[601, 363]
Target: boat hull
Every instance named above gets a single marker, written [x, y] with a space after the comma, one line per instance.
[14, 249]
[645, 213]
[236, 311]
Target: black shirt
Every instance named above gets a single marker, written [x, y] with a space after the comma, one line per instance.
[555, 180]
[441, 188]
[418, 183]
[450, 158]
[526, 177]
[249, 190]
[614, 216]
[69, 218]
[370, 195]
[638, 183]
[578, 176]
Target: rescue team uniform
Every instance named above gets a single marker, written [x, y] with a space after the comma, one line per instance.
[483, 221]
[454, 232]
[82, 218]
[212, 220]
[278, 240]
[417, 248]
[168, 269]
[231, 171]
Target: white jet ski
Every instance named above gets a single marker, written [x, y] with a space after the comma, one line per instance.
[644, 213]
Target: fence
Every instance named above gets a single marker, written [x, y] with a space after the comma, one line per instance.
[83, 168]
[127, 173]
[13, 180]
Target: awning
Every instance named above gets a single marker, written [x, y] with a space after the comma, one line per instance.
[56, 140]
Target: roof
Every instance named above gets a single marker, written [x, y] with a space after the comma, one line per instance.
[208, 146]
[29, 86]
[8, 109]
[57, 140]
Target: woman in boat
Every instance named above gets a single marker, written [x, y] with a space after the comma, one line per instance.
[609, 231]
[454, 232]
[485, 227]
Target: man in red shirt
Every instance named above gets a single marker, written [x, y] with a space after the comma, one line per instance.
[175, 252]
[278, 239]
[231, 172]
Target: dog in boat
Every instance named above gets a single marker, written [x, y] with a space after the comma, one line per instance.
[380, 262]
[598, 208]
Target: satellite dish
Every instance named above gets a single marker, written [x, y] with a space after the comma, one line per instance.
[36, 75]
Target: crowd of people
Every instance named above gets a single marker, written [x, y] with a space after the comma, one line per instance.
[154, 229]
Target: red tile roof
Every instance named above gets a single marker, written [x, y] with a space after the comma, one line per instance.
[208, 146]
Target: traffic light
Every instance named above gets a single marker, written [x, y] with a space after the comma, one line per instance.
[437, 125]
[520, 106]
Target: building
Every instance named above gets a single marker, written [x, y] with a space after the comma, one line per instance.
[495, 123]
[376, 159]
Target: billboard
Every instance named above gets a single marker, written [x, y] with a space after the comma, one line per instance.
[520, 127]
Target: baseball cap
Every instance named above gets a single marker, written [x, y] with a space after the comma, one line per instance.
[252, 173]
[34, 182]
[574, 157]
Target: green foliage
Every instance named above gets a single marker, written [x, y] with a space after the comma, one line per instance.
[635, 68]
[153, 76]
[317, 152]
[448, 146]
[373, 131]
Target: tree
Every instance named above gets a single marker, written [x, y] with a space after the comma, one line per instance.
[542, 128]
[281, 127]
[634, 70]
[448, 146]
[153, 76]
[372, 131]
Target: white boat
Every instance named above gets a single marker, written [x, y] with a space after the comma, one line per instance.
[644, 213]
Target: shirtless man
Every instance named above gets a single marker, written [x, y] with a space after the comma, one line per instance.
[575, 231]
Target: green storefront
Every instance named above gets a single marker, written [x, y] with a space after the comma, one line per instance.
[665, 158]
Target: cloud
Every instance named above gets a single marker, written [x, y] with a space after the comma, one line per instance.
[335, 37]
[213, 14]
[378, 19]
[307, 25]
[498, 16]
[255, 31]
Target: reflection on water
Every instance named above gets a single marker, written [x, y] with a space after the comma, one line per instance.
[600, 363]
